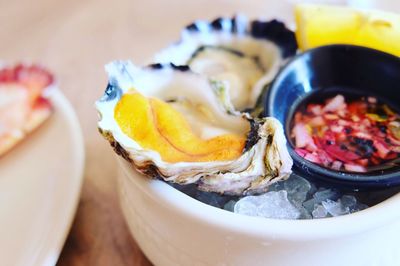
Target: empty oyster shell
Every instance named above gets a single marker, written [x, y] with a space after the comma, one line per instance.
[244, 55]
[170, 124]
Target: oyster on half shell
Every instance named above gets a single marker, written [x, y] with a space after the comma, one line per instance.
[169, 123]
[244, 55]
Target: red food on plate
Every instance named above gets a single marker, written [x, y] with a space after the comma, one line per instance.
[23, 105]
[355, 136]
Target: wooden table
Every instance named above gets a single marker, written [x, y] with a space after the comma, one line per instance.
[75, 39]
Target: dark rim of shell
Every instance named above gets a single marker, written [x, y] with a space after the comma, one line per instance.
[182, 68]
[273, 30]
[252, 136]
[112, 92]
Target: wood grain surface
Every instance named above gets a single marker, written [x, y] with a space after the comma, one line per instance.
[75, 39]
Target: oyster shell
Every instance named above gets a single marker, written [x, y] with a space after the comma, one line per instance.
[244, 55]
[170, 124]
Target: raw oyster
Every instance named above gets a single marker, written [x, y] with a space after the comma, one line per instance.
[244, 55]
[169, 123]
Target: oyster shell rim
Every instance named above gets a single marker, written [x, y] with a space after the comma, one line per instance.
[273, 34]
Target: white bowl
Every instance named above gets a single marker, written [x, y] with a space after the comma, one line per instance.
[174, 229]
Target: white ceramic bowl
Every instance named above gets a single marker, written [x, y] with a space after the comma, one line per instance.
[174, 229]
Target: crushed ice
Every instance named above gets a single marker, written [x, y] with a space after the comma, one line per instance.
[294, 198]
[274, 204]
[297, 198]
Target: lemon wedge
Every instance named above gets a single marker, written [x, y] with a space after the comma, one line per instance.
[323, 25]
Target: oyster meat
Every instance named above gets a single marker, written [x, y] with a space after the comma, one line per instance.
[244, 55]
[170, 123]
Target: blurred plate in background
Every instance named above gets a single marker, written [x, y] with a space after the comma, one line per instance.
[40, 181]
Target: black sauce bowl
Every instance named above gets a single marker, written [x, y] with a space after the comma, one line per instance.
[366, 71]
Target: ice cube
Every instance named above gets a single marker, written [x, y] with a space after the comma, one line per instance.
[325, 194]
[246, 206]
[273, 204]
[210, 198]
[335, 208]
[309, 205]
[312, 190]
[276, 186]
[352, 203]
[304, 213]
[349, 201]
[359, 207]
[297, 188]
[230, 205]
[319, 212]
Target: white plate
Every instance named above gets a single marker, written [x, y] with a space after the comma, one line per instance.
[40, 182]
